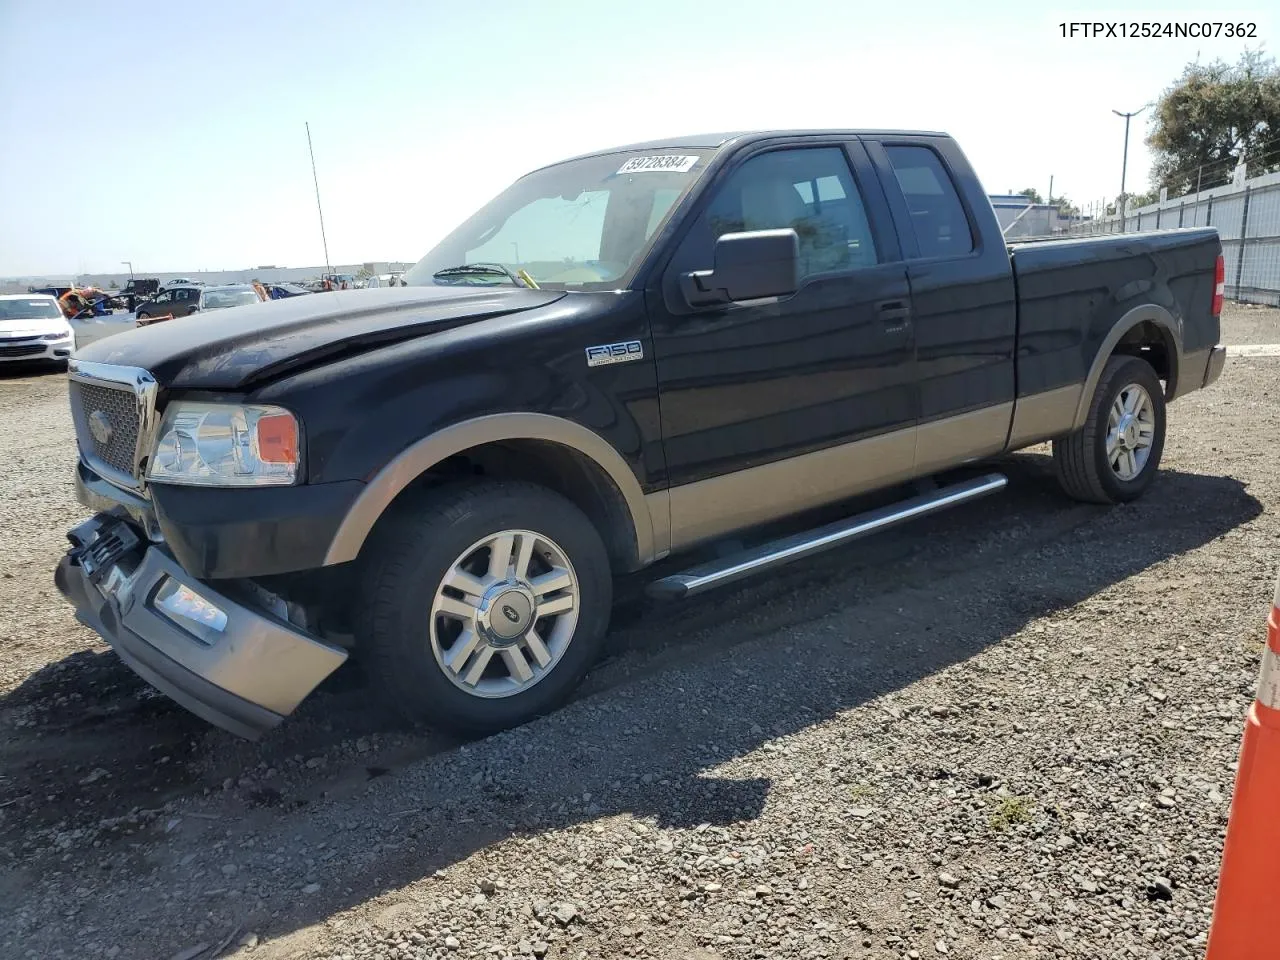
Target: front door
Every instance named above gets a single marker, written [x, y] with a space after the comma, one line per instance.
[184, 301]
[772, 405]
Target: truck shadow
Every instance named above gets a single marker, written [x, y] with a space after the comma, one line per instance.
[686, 688]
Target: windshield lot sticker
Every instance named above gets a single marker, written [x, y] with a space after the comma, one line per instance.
[658, 165]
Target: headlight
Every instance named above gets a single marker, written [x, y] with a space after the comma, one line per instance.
[226, 445]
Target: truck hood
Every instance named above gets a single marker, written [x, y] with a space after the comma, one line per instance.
[232, 348]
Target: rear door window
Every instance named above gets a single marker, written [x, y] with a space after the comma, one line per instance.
[941, 226]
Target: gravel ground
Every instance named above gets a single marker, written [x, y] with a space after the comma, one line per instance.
[1009, 731]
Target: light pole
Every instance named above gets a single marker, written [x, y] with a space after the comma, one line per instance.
[1124, 163]
[129, 264]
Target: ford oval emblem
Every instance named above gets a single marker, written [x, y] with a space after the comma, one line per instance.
[510, 613]
[100, 427]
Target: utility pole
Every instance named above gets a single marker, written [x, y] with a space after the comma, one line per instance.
[128, 264]
[1124, 163]
[1050, 200]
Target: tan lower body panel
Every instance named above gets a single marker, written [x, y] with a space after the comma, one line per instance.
[746, 498]
[701, 511]
[1191, 372]
[1044, 415]
[969, 436]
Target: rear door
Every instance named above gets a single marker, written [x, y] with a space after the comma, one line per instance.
[962, 297]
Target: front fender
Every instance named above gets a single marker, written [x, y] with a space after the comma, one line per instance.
[420, 457]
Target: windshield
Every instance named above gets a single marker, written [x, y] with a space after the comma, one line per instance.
[215, 299]
[581, 225]
[37, 308]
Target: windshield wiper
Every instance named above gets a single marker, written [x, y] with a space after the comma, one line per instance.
[480, 270]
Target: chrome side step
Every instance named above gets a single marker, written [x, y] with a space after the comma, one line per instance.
[738, 566]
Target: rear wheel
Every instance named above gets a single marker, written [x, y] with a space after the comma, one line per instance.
[1114, 458]
[483, 605]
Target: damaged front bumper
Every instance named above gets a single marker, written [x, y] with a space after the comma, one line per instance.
[241, 668]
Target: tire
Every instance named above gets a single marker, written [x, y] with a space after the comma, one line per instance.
[1085, 471]
[407, 642]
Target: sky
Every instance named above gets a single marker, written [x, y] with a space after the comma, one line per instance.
[172, 135]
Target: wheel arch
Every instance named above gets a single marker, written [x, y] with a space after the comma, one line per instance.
[1148, 325]
[621, 501]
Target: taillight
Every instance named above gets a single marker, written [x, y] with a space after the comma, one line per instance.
[1219, 285]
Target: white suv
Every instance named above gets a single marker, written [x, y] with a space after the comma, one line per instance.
[32, 327]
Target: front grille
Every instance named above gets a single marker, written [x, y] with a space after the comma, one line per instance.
[26, 350]
[119, 406]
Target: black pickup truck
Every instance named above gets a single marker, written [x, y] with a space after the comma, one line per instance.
[623, 356]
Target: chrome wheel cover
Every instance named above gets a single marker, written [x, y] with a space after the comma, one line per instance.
[1131, 430]
[504, 614]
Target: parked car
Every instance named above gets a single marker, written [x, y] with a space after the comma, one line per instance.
[139, 289]
[184, 301]
[717, 333]
[91, 327]
[180, 282]
[282, 291]
[32, 327]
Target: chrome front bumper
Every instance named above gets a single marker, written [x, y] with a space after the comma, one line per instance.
[240, 668]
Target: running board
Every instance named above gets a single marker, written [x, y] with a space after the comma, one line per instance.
[717, 573]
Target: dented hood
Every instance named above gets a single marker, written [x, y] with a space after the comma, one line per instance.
[232, 348]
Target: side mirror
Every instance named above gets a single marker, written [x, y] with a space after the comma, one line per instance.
[748, 266]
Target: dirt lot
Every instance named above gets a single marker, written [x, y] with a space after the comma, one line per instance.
[1006, 732]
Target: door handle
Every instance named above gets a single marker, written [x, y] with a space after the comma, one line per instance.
[895, 314]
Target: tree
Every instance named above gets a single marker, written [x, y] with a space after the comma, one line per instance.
[1032, 195]
[1065, 207]
[1213, 116]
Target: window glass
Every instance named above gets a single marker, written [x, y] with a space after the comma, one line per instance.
[809, 190]
[941, 227]
[662, 202]
[218, 299]
[552, 228]
[37, 308]
[582, 224]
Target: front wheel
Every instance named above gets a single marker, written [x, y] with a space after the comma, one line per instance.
[1114, 458]
[483, 605]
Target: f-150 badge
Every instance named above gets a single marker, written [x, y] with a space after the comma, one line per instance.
[605, 353]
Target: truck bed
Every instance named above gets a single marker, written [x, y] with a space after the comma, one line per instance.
[1073, 290]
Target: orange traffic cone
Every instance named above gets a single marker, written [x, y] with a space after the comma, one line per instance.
[1248, 901]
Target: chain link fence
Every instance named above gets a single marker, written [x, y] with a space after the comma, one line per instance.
[1247, 218]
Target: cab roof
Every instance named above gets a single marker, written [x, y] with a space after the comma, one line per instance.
[716, 141]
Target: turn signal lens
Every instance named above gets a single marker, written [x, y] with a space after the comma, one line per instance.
[278, 438]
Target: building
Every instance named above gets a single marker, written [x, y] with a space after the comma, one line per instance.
[1020, 218]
